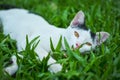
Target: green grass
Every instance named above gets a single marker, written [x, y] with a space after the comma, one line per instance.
[101, 64]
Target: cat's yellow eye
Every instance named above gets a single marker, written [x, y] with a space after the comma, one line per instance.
[76, 34]
[88, 43]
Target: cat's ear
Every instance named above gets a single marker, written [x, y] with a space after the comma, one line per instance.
[78, 19]
[101, 37]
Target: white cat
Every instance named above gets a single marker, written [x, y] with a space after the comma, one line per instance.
[19, 23]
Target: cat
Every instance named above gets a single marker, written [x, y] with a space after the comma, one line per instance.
[20, 22]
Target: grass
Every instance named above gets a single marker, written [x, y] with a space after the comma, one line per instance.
[101, 64]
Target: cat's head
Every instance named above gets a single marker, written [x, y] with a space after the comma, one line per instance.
[81, 36]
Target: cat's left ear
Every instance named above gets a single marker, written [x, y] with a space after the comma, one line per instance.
[101, 37]
[78, 19]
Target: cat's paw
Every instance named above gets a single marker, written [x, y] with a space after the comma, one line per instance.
[13, 68]
[54, 68]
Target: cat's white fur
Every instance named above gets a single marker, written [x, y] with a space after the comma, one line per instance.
[19, 23]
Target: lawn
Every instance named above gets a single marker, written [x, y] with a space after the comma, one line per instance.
[101, 64]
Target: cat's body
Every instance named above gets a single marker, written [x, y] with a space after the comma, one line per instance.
[19, 23]
[35, 26]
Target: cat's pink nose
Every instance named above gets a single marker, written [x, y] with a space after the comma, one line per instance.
[77, 45]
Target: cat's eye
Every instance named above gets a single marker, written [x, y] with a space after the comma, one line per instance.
[88, 43]
[76, 34]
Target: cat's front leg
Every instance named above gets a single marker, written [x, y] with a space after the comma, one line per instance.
[13, 68]
[54, 67]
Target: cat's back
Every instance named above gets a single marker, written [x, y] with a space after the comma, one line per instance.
[13, 11]
[21, 21]
[20, 15]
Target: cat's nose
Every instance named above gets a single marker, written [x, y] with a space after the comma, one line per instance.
[77, 45]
